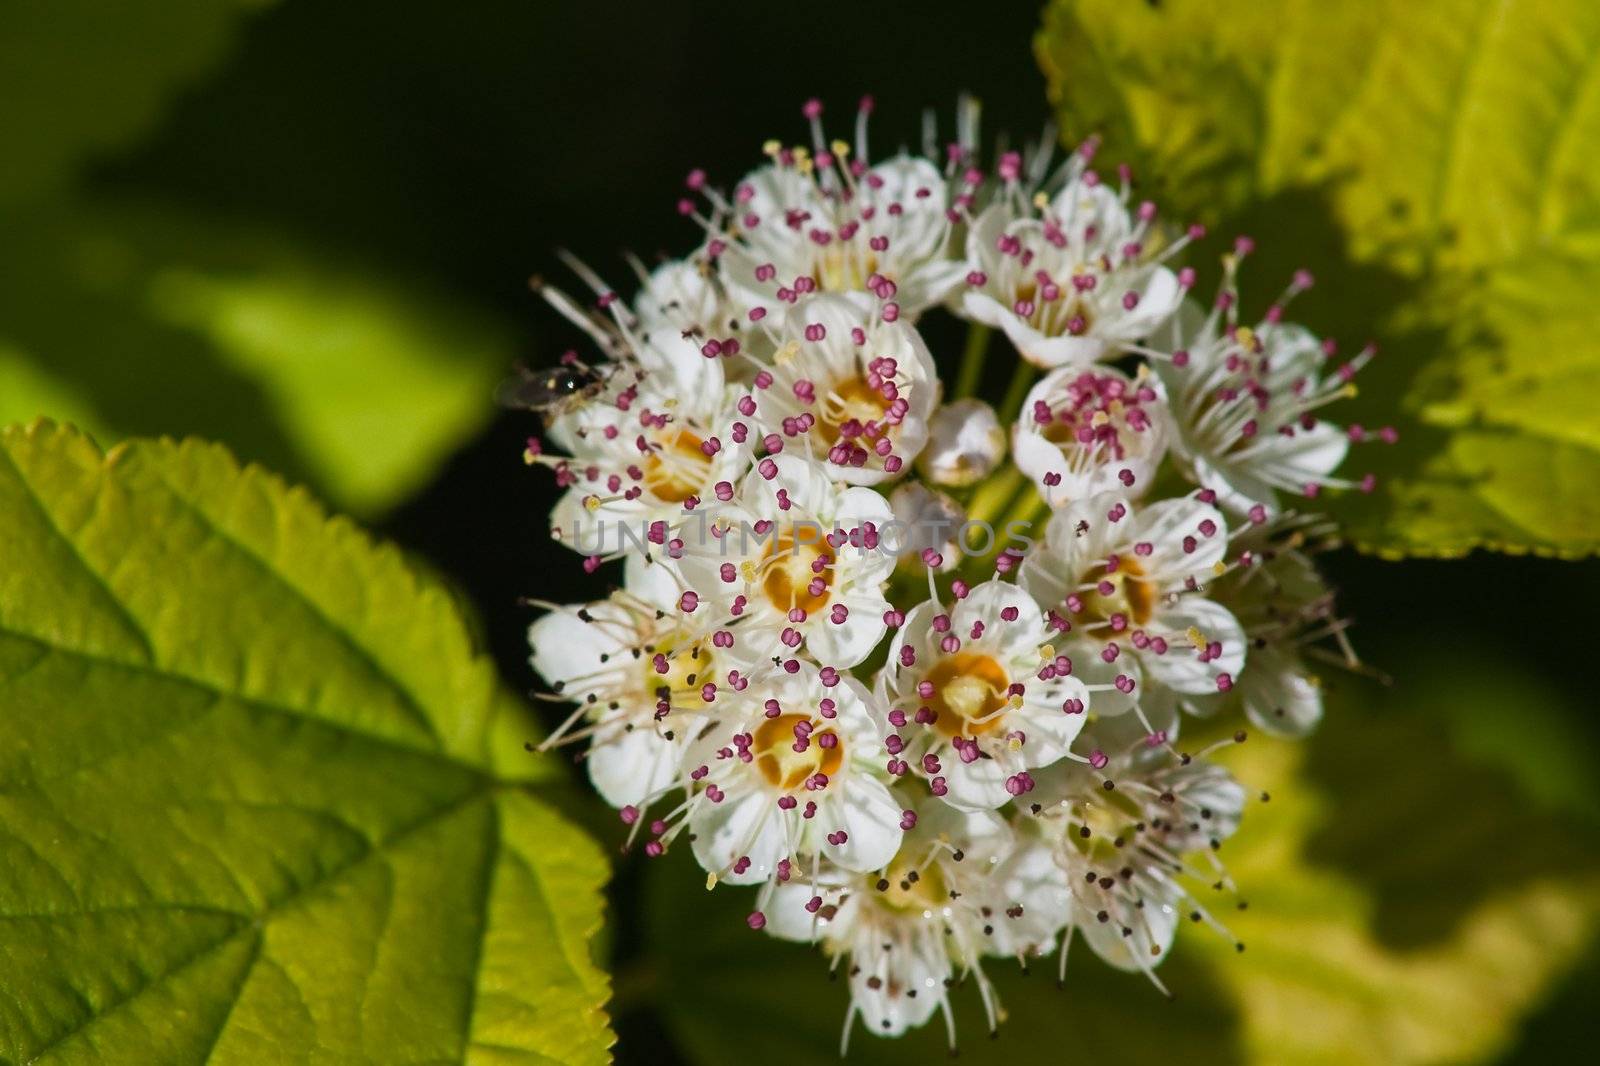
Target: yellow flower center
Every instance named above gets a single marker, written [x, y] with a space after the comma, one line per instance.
[841, 269]
[849, 399]
[1131, 596]
[687, 669]
[912, 889]
[773, 748]
[676, 467]
[789, 566]
[969, 691]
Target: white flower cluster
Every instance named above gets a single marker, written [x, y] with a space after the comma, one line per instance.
[925, 698]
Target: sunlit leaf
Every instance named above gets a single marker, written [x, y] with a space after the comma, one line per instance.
[1432, 163]
[261, 800]
[1319, 983]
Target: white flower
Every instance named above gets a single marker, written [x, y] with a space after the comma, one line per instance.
[1244, 405]
[965, 444]
[1284, 605]
[818, 222]
[685, 306]
[949, 897]
[654, 444]
[636, 675]
[642, 472]
[1069, 278]
[1081, 432]
[849, 388]
[924, 520]
[790, 771]
[792, 559]
[1129, 582]
[1123, 851]
[974, 699]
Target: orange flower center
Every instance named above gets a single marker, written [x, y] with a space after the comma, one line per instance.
[1131, 595]
[773, 748]
[789, 567]
[969, 691]
[849, 399]
[676, 467]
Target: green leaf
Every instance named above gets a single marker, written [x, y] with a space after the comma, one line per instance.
[1412, 897]
[261, 800]
[143, 321]
[79, 77]
[1432, 164]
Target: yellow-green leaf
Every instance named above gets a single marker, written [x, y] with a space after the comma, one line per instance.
[1432, 163]
[261, 799]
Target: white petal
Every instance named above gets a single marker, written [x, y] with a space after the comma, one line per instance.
[1155, 925]
[1158, 300]
[786, 914]
[1050, 730]
[983, 603]
[1279, 693]
[985, 309]
[882, 981]
[1180, 669]
[979, 785]
[870, 817]
[1030, 878]
[656, 583]
[1165, 525]
[631, 766]
[1050, 352]
[748, 826]
[849, 642]
[564, 647]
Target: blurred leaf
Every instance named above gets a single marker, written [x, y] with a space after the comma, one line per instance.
[1407, 904]
[1320, 985]
[1505, 725]
[79, 77]
[260, 798]
[1531, 790]
[1433, 164]
[150, 322]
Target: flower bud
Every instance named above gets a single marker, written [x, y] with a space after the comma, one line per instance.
[925, 521]
[965, 443]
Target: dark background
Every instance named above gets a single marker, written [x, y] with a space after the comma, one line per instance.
[462, 144]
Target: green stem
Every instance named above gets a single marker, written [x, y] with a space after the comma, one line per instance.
[993, 494]
[1016, 392]
[1028, 508]
[972, 358]
[1024, 505]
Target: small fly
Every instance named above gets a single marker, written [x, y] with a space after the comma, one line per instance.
[553, 391]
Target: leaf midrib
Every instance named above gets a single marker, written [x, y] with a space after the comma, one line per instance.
[221, 696]
[408, 701]
[47, 519]
[256, 922]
